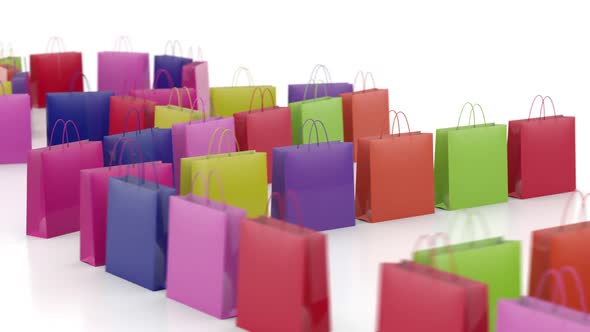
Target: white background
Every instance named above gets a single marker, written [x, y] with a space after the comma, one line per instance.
[431, 55]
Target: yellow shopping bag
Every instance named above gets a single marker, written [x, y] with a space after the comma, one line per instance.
[168, 115]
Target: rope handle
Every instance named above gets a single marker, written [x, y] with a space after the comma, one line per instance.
[364, 77]
[433, 250]
[542, 109]
[237, 74]
[123, 40]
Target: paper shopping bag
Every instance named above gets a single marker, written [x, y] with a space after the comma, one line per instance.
[7, 57]
[321, 175]
[470, 165]
[53, 185]
[130, 114]
[172, 64]
[137, 231]
[394, 177]
[119, 70]
[195, 75]
[325, 109]
[225, 101]
[20, 83]
[363, 112]
[155, 144]
[15, 127]
[283, 279]
[541, 154]
[203, 247]
[88, 110]
[52, 72]
[166, 116]
[264, 129]
[300, 92]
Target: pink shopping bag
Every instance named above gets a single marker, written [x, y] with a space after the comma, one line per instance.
[203, 242]
[118, 70]
[162, 96]
[53, 184]
[15, 127]
[94, 187]
[195, 75]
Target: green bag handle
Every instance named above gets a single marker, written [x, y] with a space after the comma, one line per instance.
[434, 250]
[237, 74]
[582, 215]
[223, 133]
[542, 109]
[364, 77]
[123, 40]
[471, 114]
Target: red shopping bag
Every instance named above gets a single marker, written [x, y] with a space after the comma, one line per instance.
[121, 119]
[51, 72]
[418, 298]
[283, 278]
[363, 112]
[541, 154]
[264, 129]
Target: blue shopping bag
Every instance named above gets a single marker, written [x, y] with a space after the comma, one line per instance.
[172, 64]
[155, 144]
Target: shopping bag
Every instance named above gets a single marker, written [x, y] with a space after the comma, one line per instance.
[325, 109]
[531, 314]
[137, 230]
[203, 246]
[363, 111]
[264, 129]
[52, 72]
[493, 261]
[243, 175]
[7, 72]
[88, 110]
[166, 116]
[122, 120]
[417, 297]
[20, 83]
[541, 154]
[283, 278]
[172, 64]
[225, 101]
[53, 184]
[394, 177]
[7, 57]
[15, 127]
[470, 164]
[93, 202]
[321, 175]
[155, 145]
[191, 139]
[195, 75]
[119, 70]
[161, 96]
[300, 92]
[559, 246]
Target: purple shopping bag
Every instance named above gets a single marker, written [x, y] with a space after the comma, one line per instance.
[533, 314]
[299, 92]
[195, 75]
[118, 71]
[203, 243]
[53, 185]
[321, 175]
[93, 200]
[161, 96]
[15, 127]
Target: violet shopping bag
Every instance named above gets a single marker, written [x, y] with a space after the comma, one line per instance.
[119, 70]
[322, 176]
[53, 185]
[172, 64]
[137, 230]
[532, 314]
[203, 243]
[15, 127]
[191, 139]
[195, 75]
[93, 202]
[88, 110]
[300, 92]
[161, 96]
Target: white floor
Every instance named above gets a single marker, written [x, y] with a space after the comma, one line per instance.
[46, 287]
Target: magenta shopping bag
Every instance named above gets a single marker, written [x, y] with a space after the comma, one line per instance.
[53, 185]
[195, 75]
[120, 71]
[15, 127]
[203, 243]
[94, 187]
[161, 96]
[533, 314]
[193, 139]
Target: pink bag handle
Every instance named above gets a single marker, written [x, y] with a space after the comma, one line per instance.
[138, 112]
[64, 137]
[542, 109]
[558, 282]
[165, 72]
[395, 119]
[579, 285]
[62, 121]
[73, 80]
[433, 250]
[577, 193]
[114, 150]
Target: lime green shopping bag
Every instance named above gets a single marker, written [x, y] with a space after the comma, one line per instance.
[470, 164]
[225, 101]
[168, 115]
[6, 88]
[325, 109]
[493, 261]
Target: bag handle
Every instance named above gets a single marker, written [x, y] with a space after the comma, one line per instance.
[221, 140]
[317, 137]
[52, 42]
[364, 77]
[542, 109]
[114, 150]
[470, 219]
[64, 134]
[471, 114]
[219, 184]
[171, 44]
[395, 119]
[196, 103]
[582, 214]
[168, 76]
[138, 112]
[3, 89]
[297, 202]
[174, 44]
[75, 76]
[142, 165]
[300, 140]
[316, 70]
[199, 53]
[179, 100]
[62, 121]
[123, 40]
[433, 250]
[237, 74]
[558, 282]
[280, 202]
[262, 93]
[137, 149]
[316, 83]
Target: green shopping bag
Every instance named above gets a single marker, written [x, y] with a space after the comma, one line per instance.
[226, 101]
[243, 174]
[168, 115]
[5, 88]
[494, 261]
[328, 110]
[10, 59]
[470, 164]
